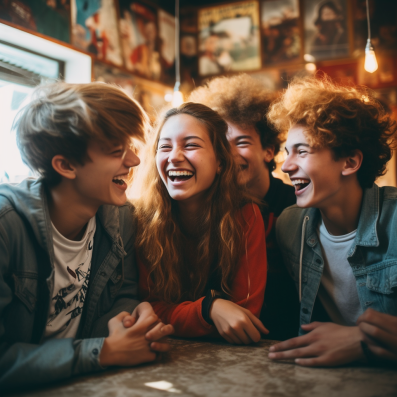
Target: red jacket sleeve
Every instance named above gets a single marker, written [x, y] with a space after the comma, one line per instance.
[248, 288]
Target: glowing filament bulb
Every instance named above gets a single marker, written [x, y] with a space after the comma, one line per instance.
[371, 63]
[177, 99]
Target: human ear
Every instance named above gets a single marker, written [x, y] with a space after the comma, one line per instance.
[63, 167]
[352, 163]
[268, 154]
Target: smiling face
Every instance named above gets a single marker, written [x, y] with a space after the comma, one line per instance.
[317, 177]
[103, 178]
[249, 155]
[185, 158]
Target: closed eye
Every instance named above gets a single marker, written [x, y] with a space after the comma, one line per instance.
[243, 143]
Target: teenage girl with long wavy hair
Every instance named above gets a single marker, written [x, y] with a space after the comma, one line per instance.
[201, 239]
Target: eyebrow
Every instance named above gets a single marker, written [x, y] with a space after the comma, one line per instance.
[185, 139]
[243, 137]
[297, 145]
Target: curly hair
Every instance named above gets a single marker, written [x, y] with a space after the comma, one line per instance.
[160, 240]
[343, 119]
[244, 101]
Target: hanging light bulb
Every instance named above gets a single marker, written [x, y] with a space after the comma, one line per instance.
[177, 96]
[371, 63]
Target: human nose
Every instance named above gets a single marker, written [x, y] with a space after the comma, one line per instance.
[131, 159]
[175, 155]
[288, 165]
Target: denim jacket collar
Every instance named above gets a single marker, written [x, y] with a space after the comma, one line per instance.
[367, 234]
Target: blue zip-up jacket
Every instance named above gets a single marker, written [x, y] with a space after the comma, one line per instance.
[372, 256]
[26, 277]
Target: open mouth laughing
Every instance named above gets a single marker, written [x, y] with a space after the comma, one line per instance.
[121, 181]
[179, 175]
[300, 184]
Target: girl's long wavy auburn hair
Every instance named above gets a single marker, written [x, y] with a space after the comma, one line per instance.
[159, 237]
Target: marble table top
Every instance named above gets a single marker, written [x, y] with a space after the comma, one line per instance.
[214, 369]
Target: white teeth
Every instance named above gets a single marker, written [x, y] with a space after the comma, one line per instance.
[180, 173]
[121, 178]
[300, 181]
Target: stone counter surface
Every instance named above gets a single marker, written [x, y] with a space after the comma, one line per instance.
[214, 369]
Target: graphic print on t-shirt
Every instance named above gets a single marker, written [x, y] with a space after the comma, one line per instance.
[69, 301]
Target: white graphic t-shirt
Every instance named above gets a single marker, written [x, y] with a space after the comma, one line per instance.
[71, 275]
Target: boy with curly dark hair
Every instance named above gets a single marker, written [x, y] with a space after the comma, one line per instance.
[243, 102]
[338, 242]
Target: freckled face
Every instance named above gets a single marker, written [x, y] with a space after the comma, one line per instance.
[317, 177]
[185, 158]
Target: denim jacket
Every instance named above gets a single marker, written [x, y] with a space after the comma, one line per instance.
[26, 277]
[372, 256]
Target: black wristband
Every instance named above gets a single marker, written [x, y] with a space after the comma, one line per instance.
[206, 304]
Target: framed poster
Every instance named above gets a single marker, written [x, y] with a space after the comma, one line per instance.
[151, 95]
[49, 17]
[280, 31]
[188, 48]
[167, 50]
[229, 38]
[383, 17]
[326, 32]
[94, 29]
[139, 39]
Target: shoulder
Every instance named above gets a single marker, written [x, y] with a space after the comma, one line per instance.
[291, 219]
[250, 215]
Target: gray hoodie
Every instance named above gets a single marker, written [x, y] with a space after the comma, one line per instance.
[26, 277]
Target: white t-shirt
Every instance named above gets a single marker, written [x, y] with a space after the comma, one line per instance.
[71, 275]
[338, 289]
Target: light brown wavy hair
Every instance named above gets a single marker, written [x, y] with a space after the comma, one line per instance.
[244, 101]
[343, 119]
[63, 118]
[160, 239]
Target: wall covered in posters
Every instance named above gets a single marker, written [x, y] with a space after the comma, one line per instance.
[166, 24]
[51, 18]
[149, 94]
[94, 29]
[229, 38]
[326, 29]
[280, 31]
[140, 39]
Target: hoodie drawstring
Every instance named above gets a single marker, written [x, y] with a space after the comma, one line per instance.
[301, 257]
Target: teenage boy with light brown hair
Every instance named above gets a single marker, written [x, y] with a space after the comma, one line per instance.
[243, 102]
[68, 277]
[339, 241]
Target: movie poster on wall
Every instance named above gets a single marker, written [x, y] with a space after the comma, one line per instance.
[94, 29]
[149, 94]
[51, 18]
[139, 39]
[280, 31]
[229, 38]
[326, 32]
[166, 23]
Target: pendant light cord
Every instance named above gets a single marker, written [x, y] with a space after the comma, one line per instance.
[177, 56]
[369, 26]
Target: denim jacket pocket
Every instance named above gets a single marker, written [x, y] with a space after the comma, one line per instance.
[293, 267]
[383, 281]
[25, 289]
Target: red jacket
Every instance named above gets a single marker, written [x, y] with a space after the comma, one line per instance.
[247, 290]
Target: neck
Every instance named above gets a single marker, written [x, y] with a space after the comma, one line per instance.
[342, 215]
[259, 186]
[68, 212]
[188, 215]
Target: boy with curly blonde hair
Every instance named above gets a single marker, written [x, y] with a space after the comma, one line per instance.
[243, 102]
[338, 242]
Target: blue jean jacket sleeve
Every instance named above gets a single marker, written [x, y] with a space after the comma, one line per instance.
[54, 360]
